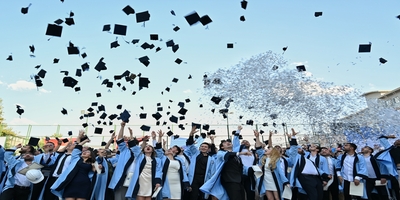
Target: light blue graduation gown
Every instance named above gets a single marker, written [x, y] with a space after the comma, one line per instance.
[125, 159]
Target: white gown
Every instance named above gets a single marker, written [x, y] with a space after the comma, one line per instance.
[174, 179]
[268, 182]
[145, 178]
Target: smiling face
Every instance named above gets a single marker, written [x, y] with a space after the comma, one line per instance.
[204, 148]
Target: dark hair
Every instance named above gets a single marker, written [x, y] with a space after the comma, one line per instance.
[323, 148]
[372, 150]
[222, 144]
[93, 155]
[31, 149]
[51, 143]
[178, 148]
[153, 154]
[206, 143]
[353, 145]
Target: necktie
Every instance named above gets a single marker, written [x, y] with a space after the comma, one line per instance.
[62, 164]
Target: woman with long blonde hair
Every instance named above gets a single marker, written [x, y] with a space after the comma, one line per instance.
[273, 180]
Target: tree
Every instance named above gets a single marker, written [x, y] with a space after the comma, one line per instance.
[4, 129]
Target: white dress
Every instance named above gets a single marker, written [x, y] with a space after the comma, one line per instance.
[145, 178]
[174, 179]
[268, 182]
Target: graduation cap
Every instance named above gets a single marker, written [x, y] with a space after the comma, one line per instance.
[301, 68]
[85, 67]
[84, 55]
[120, 29]
[101, 108]
[134, 41]
[103, 144]
[242, 18]
[84, 125]
[216, 100]
[153, 36]
[178, 61]
[181, 104]
[32, 48]
[72, 49]
[20, 110]
[175, 48]
[98, 130]
[55, 60]
[205, 20]
[24, 10]
[275, 67]
[98, 94]
[69, 21]
[124, 116]
[182, 118]
[243, 4]
[173, 13]
[250, 122]
[192, 18]
[142, 16]
[176, 28]
[317, 14]
[261, 132]
[173, 119]
[229, 45]
[119, 106]
[103, 116]
[212, 132]
[198, 126]
[364, 48]
[273, 116]
[100, 65]
[113, 116]
[78, 73]
[64, 111]
[59, 21]
[143, 82]
[170, 133]
[77, 89]
[54, 30]
[114, 44]
[10, 58]
[206, 127]
[143, 115]
[176, 137]
[182, 111]
[157, 116]
[42, 73]
[382, 60]
[128, 10]
[187, 100]
[144, 60]
[145, 128]
[170, 43]
[107, 27]
[65, 140]
[33, 141]
[69, 82]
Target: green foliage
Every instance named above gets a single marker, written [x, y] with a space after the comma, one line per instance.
[4, 129]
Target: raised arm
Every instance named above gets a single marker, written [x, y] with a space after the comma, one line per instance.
[236, 141]
[59, 142]
[121, 131]
[270, 139]
[213, 149]
[191, 148]
[111, 140]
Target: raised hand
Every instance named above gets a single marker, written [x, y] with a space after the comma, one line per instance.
[256, 133]
[240, 128]
[153, 135]
[130, 130]
[160, 133]
[293, 132]
[194, 130]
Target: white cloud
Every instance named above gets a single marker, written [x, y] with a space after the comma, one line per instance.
[187, 91]
[25, 85]
[1, 83]
[372, 86]
[22, 121]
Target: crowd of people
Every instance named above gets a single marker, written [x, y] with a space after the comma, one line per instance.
[200, 170]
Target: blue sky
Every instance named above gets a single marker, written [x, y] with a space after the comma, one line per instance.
[326, 45]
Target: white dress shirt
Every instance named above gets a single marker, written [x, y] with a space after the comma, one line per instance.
[347, 167]
[21, 179]
[370, 169]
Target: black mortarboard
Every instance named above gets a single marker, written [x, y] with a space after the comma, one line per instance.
[101, 108]
[173, 13]
[20, 110]
[243, 4]
[301, 68]
[242, 18]
[382, 60]
[212, 132]
[205, 20]
[84, 125]
[187, 100]
[55, 60]
[364, 48]
[128, 10]
[91, 114]
[54, 30]
[144, 60]
[216, 100]
[134, 41]
[85, 67]
[64, 111]
[182, 118]
[153, 36]
[158, 49]
[59, 21]
[69, 82]
[114, 44]
[178, 61]
[145, 128]
[69, 21]
[107, 27]
[77, 89]
[65, 140]
[206, 127]
[78, 73]
[213, 110]
[10, 58]
[203, 135]
[201, 105]
[173, 119]
[175, 48]
[275, 67]
[317, 14]
[170, 43]
[98, 130]
[147, 46]
[32, 48]
[250, 122]
[120, 29]
[273, 116]
[33, 141]
[84, 55]
[100, 65]
[42, 73]
[113, 116]
[181, 104]
[192, 18]
[265, 124]
[98, 94]
[198, 126]
[229, 45]
[124, 116]
[142, 17]
[157, 116]
[144, 82]
[261, 132]
[177, 136]
[103, 144]
[143, 115]
[103, 116]
[24, 10]
[176, 28]
[119, 106]
[65, 72]
[170, 133]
